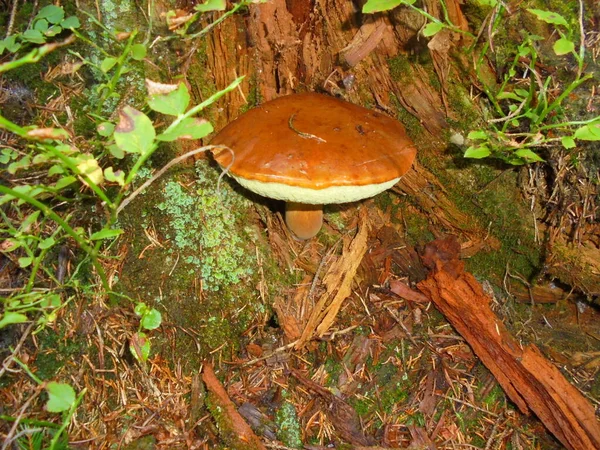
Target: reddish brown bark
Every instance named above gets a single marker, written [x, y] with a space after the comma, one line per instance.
[239, 431]
[530, 380]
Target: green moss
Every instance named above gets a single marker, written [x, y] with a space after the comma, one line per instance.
[495, 395]
[55, 351]
[417, 228]
[400, 68]
[288, 427]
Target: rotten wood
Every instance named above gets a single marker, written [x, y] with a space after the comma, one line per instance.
[530, 380]
[232, 426]
[338, 282]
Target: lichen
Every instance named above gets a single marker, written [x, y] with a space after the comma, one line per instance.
[203, 225]
[288, 427]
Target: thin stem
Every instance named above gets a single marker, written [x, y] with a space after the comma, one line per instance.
[209, 27]
[67, 419]
[27, 370]
[48, 212]
[36, 54]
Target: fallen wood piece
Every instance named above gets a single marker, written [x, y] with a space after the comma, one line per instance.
[338, 283]
[233, 428]
[406, 292]
[529, 379]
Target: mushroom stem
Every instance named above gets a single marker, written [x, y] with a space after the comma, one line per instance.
[304, 221]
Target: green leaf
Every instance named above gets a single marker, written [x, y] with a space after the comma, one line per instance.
[10, 317]
[568, 142]
[53, 30]
[528, 155]
[134, 132]
[106, 129]
[138, 51]
[151, 319]
[212, 5]
[116, 151]
[70, 23]
[107, 64]
[115, 177]
[432, 28]
[106, 233]
[173, 103]
[52, 13]
[61, 397]
[29, 220]
[25, 261]
[477, 135]
[563, 46]
[34, 36]
[47, 243]
[590, 132]
[64, 182]
[477, 152]
[139, 346]
[11, 245]
[189, 128]
[509, 95]
[522, 93]
[373, 6]
[140, 308]
[549, 17]
[41, 25]
[10, 43]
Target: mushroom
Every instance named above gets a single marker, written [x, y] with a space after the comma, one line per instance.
[312, 149]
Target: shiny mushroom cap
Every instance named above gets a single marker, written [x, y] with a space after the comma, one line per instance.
[314, 149]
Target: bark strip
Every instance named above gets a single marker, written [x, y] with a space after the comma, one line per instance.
[531, 381]
[232, 426]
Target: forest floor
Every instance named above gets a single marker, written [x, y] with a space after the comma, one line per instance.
[336, 342]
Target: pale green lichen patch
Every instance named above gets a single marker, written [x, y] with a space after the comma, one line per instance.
[288, 427]
[202, 225]
[203, 268]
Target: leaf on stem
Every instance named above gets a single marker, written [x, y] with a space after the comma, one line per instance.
[373, 6]
[563, 46]
[189, 128]
[135, 132]
[211, 5]
[61, 397]
[170, 99]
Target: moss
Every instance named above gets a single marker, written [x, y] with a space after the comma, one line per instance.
[204, 275]
[417, 228]
[400, 68]
[55, 351]
[225, 426]
[495, 395]
[288, 427]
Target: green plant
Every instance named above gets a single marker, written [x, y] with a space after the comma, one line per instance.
[150, 319]
[61, 399]
[49, 22]
[434, 24]
[530, 116]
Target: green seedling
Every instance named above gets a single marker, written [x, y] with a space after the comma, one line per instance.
[150, 319]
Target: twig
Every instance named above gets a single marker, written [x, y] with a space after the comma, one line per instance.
[11, 22]
[170, 164]
[9, 359]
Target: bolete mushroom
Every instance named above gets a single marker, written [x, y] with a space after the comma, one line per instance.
[312, 149]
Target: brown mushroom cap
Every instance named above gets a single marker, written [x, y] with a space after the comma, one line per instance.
[315, 149]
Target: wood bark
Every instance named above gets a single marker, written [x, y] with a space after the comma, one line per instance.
[530, 380]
